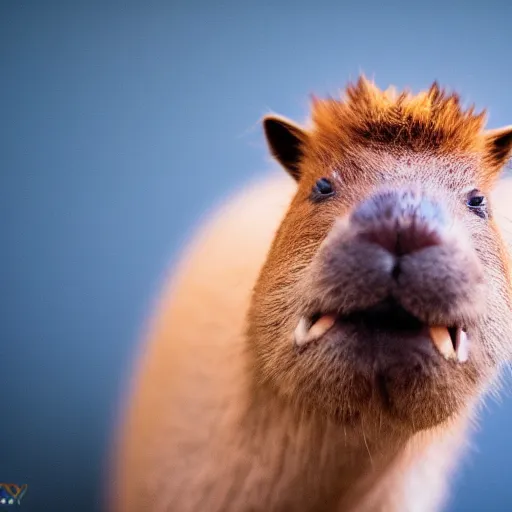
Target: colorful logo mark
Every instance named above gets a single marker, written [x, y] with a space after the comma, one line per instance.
[11, 494]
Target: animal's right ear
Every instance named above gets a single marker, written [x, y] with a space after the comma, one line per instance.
[499, 145]
[286, 143]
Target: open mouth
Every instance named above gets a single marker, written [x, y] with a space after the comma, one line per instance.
[450, 341]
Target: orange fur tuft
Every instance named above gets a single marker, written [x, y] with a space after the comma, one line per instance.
[432, 120]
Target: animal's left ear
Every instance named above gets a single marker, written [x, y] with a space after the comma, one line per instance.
[498, 146]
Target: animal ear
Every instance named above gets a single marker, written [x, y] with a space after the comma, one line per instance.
[498, 145]
[286, 142]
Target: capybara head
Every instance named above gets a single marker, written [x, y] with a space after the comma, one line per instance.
[385, 297]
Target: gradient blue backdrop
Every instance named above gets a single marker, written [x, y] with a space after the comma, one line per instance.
[121, 123]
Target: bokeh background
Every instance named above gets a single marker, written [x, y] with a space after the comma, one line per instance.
[121, 125]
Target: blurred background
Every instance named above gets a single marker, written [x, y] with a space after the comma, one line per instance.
[122, 124]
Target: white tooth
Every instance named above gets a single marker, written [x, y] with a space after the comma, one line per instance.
[321, 326]
[442, 340]
[462, 346]
[305, 332]
[301, 332]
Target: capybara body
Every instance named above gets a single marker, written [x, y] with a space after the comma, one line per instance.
[326, 339]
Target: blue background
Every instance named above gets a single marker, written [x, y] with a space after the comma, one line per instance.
[121, 124]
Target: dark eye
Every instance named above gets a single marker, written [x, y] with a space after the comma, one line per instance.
[477, 203]
[323, 188]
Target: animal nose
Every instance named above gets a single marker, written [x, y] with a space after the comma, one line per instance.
[401, 221]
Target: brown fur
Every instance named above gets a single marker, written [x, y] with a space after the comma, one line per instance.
[227, 416]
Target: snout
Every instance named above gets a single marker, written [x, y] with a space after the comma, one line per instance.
[399, 247]
[401, 222]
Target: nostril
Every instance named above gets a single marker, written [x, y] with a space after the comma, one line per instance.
[401, 238]
[417, 235]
